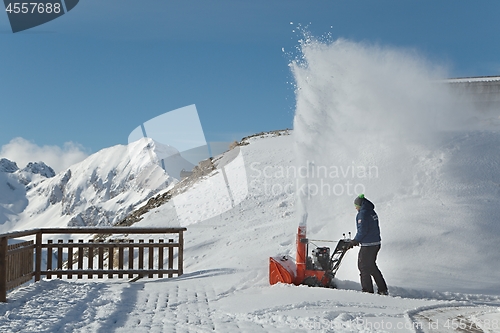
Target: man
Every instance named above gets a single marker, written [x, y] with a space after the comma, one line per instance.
[368, 236]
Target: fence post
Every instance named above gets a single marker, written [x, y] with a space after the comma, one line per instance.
[171, 257]
[3, 269]
[180, 256]
[151, 251]
[38, 256]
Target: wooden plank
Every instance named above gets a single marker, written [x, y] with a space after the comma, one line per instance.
[103, 230]
[59, 258]
[19, 281]
[20, 249]
[49, 258]
[170, 257]
[12, 248]
[141, 255]
[80, 257]
[114, 271]
[70, 258]
[160, 258]
[180, 254]
[17, 234]
[100, 259]
[3, 268]
[90, 263]
[38, 256]
[110, 258]
[116, 245]
[131, 257]
[28, 263]
[8, 269]
[120, 261]
[151, 254]
[93, 230]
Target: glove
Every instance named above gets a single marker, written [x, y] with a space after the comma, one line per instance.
[352, 244]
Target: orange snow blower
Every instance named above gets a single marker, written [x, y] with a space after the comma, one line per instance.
[316, 271]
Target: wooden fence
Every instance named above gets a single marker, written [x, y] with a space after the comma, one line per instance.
[22, 260]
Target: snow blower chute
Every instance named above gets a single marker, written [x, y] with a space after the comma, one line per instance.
[318, 270]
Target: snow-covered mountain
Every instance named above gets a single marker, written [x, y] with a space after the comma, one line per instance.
[99, 191]
[12, 191]
[15, 184]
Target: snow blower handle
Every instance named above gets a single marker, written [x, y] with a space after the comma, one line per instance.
[348, 238]
[352, 243]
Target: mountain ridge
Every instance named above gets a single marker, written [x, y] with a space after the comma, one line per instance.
[98, 191]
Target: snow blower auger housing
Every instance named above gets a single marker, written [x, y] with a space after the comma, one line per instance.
[317, 270]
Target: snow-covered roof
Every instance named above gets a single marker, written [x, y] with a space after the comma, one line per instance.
[481, 79]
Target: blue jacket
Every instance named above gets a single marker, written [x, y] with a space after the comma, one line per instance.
[368, 231]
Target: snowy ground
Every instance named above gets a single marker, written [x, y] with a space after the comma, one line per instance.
[225, 286]
[212, 300]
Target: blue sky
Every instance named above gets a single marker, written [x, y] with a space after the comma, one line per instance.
[93, 75]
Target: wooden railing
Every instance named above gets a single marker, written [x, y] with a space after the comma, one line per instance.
[23, 259]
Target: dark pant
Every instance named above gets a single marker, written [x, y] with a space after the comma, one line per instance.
[368, 268]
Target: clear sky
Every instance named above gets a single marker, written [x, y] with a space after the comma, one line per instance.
[84, 81]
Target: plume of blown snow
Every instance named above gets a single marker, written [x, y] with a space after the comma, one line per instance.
[381, 121]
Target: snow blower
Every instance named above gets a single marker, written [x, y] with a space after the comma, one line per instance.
[316, 271]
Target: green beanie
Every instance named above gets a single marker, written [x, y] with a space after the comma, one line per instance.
[359, 200]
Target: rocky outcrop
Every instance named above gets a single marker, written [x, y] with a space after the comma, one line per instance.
[8, 166]
[203, 168]
[40, 168]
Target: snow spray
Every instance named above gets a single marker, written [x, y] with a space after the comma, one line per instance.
[358, 107]
[373, 119]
